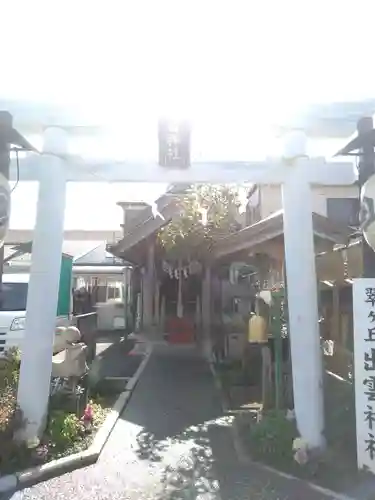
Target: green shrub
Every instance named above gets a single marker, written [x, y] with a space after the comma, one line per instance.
[271, 439]
[10, 415]
[63, 428]
[9, 368]
[11, 418]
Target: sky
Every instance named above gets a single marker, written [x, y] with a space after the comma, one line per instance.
[88, 205]
[230, 65]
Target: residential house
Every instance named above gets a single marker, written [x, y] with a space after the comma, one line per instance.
[93, 266]
[338, 203]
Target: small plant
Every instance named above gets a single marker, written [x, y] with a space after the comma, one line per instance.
[9, 368]
[11, 417]
[88, 417]
[272, 438]
[64, 428]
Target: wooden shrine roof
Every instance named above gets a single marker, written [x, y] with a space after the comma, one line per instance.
[271, 228]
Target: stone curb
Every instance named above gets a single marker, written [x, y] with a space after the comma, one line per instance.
[244, 458]
[29, 477]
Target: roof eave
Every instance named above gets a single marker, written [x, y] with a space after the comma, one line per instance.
[272, 227]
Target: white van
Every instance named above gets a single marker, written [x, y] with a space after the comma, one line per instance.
[13, 297]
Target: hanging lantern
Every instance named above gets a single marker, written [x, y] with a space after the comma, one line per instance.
[367, 211]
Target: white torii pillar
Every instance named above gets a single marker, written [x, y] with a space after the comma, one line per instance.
[306, 354]
[42, 297]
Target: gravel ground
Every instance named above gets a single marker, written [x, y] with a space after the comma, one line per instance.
[171, 442]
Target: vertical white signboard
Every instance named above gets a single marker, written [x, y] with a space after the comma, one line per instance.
[364, 364]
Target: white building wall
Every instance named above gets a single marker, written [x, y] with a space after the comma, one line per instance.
[270, 197]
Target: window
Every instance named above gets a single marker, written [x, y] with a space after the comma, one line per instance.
[13, 296]
[343, 210]
[113, 291]
[101, 293]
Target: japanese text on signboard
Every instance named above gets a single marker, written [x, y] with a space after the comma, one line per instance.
[369, 366]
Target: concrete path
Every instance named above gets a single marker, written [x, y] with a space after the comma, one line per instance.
[172, 442]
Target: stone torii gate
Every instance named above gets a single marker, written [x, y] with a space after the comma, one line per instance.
[294, 171]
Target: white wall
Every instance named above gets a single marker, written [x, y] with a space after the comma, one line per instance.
[271, 200]
[321, 193]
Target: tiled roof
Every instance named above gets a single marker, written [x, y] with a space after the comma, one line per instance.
[83, 252]
[99, 256]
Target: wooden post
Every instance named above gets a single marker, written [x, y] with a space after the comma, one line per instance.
[266, 374]
[157, 304]
[148, 287]
[198, 312]
[206, 301]
[336, 313]
[180, 305]
[206, 312]
[162, 314]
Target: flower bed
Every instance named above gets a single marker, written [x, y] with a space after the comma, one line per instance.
[275, 441]
[65, 434]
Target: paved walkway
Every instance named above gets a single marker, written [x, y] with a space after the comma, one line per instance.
[171, 442]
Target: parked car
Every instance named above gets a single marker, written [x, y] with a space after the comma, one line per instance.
[13, 298]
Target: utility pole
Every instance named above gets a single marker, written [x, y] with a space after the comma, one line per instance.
[8, 137]
[6, 126]
[363, 147]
